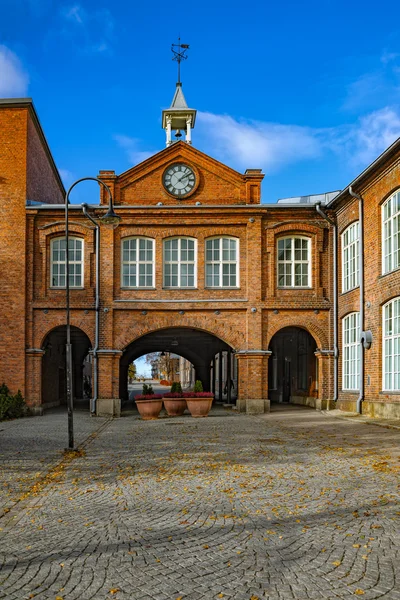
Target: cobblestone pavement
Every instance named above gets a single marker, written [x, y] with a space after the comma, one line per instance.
[294, 504]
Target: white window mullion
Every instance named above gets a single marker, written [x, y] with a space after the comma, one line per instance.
[391, 345]
[351, 352]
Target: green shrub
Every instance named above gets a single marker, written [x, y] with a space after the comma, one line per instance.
[11, 407]
[198, 386]
[147, 389]
[176, 387]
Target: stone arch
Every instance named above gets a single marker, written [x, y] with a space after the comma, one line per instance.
[58, 321]
[198, 346]
[229, 334]
[298, 321]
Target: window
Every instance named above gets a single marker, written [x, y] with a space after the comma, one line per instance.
[294, 262]
[179, 263]
[350, 257]
[351, 352]
[137, 262]
[222, 262]
[391, 233]
[75, 261]
[391, 345]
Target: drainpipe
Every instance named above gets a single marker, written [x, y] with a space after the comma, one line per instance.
[360, 398]
[97, 308]
[335, 303]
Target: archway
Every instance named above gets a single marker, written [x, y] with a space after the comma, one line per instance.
[53, 366]
[211, 357]
[292, 366]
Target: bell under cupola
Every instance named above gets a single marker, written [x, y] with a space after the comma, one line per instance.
[178, 117]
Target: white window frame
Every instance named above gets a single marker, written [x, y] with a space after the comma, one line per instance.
[390, 241]
[391, 376]
[293, 262]
[72, 264]
[138, 263]
[351, 257]
[180, 263]
[221, 262]
[351, 351]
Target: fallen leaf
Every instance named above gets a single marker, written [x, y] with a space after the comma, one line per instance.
[359, 592]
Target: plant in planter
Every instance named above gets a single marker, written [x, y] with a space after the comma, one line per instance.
[174, 401]
[148, 404]
[199, 402]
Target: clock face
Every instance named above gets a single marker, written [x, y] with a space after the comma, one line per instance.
[179, 180]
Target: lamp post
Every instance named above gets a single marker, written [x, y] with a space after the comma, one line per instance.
[110, 218]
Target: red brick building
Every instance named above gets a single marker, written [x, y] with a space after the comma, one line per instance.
[199, 267]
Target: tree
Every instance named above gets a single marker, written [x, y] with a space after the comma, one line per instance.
[132, 371]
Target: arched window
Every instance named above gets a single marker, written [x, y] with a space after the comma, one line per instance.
[222, 259]
[350, 257]
[180, 262]
[294, 262]
[137, 265]
[351, 352]
[391, 345]
[58, 262]
[391, 233]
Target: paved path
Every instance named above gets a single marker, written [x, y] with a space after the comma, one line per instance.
[291, 505]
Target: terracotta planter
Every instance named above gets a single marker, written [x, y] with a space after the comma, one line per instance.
[149, 409]
[175, 407]
[199, 407]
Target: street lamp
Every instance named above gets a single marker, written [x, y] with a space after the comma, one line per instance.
[112, 219]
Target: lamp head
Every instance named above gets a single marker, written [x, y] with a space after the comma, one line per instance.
[110, 219]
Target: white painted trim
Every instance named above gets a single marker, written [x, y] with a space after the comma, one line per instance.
[135, 287]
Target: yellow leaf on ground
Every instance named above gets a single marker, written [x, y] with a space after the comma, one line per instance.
[359, 592]
[114, 590]
[337, 563]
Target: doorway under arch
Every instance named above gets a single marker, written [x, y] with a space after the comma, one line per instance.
[53, 366]
[211, 357]
[292, 366]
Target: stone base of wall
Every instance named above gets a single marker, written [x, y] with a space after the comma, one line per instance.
[379, 410]
[312, 402]
[257, 406]
[108, 407]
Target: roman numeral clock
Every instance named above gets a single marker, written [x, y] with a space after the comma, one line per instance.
[180, 180]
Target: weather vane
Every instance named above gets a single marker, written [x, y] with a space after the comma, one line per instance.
[179, 55]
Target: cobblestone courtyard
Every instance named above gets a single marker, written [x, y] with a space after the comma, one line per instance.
[294, 504]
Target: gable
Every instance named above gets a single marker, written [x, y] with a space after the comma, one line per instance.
[215, 183]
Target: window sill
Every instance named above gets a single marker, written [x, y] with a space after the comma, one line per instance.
[389, 273]
[354, 392]
[350, 290]
[128, 289]
[293, 287]
[222, 287]
[71, 288]
[390, 393]
[178, 287]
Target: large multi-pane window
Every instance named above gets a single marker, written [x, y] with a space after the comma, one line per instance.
[222, 262]
[391, 345]
[294, 262]
[138, 262]
[351, 352]
[180, 262]
[58, 262]
[391, 233]
[350, 257]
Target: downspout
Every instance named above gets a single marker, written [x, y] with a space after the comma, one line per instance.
[335, 303]
[360, 398]
[97, 309]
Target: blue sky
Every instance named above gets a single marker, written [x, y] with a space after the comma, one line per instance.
[309, 91]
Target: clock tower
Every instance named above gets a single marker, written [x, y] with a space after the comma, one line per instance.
[178, 117]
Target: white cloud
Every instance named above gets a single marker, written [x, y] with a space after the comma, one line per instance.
[273, 146]
[13, 78]
[92, 32]
[372, 135]
[131, 147]
[250, 142]
[66, 176]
